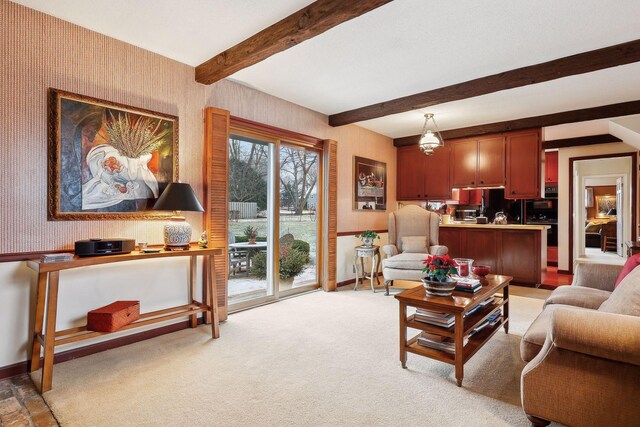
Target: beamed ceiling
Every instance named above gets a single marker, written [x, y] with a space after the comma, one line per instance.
[395, 50]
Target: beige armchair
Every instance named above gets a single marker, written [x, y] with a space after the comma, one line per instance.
[413, 234]
[584, 352]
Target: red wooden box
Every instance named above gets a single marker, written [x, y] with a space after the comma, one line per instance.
[114, 316]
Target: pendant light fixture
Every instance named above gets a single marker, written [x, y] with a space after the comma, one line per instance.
[430, 138]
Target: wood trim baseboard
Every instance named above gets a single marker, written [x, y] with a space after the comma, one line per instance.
[353, 233]
[23, 367]
[352, 281]
[564, 272]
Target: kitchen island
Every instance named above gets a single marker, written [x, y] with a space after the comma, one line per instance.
[513, 250]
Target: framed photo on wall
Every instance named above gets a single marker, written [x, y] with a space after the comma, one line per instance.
[107, 160]
[369, 184]
[606, 206]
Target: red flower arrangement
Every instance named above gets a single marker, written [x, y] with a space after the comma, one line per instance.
[439, 267]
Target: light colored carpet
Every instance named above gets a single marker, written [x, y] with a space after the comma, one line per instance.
[321, 359]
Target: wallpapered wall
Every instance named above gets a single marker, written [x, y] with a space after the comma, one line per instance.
[39, 52]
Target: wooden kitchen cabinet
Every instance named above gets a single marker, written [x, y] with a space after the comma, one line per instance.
[475, 197]
[410, 181]
[551, 168]
[523, 165]
[421, 177]
[478, 162]
[491, 162]
[464, 163]
[437, 179]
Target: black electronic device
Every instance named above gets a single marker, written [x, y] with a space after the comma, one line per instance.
[96, 247]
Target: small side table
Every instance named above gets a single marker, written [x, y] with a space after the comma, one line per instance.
[633, 247]
[363, 252]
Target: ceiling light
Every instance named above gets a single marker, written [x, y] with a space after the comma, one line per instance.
[430, 138]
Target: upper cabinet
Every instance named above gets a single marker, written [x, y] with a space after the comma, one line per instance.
[523, 165]
[437, 178]
[410, 167]
[509, 160]
[464, 162]
[478, 162]
[423, 177]
[551, 168]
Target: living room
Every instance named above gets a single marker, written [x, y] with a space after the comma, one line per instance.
[321, 109]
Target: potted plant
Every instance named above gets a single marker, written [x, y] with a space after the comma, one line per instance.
[251, 233]
[367, 237]
[438, 270]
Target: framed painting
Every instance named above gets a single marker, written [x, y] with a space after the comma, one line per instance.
[107, 160]
[606, 206]
[369, 184]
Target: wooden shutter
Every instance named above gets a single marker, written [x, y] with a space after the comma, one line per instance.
[216, 159]
[331, 191]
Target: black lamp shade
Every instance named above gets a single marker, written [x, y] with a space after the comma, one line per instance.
[178, 196]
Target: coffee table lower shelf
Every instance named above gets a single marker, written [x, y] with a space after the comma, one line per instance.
[475, 343]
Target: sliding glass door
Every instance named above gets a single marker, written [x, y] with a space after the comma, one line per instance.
[250, 226]
[274, 219]
[299, 225]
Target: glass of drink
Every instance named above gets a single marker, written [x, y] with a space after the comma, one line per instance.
[464, 266]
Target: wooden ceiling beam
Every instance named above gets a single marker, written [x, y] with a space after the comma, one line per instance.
[573, 116]
[306, 23]
[586, 62]
[580, 141]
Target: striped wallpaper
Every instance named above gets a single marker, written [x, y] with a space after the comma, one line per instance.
[38, 52]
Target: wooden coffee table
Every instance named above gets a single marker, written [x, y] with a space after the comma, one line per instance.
[458, 304]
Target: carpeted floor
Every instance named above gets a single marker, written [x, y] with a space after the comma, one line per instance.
[326, 359]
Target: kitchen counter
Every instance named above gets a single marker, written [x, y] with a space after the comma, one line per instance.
[497, 226]
[515, 250]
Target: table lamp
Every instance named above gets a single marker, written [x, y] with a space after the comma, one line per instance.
[177, 197]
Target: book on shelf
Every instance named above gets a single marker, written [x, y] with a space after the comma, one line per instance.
[490, 321]
[438, 342]
[439, 319]
[487, 302]
[56, 257]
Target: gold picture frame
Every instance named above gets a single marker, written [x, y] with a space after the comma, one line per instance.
[603, 205]
[107, 160]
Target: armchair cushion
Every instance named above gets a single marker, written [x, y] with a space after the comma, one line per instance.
[578, 296]
[625, 299]
[438, 250]
[534, 338]
[629, 266]
[405, 261]
[414, 244]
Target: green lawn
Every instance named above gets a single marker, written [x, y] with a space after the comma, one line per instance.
[301, 229]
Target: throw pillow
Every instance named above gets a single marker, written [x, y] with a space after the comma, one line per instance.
[629, 266]
[415, 244]
[592, 227]
[625, 299]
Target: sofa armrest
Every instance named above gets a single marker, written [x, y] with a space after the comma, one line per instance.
[605, 335]
[438, 250]
[390, 250]
[597, 276]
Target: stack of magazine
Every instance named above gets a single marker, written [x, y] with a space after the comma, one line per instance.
[438, 342]
[438, 319]
[467, 284]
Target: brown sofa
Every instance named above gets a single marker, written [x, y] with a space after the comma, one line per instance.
[583, 352]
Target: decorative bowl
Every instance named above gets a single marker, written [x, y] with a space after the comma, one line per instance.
[440, 289]
[481, 270]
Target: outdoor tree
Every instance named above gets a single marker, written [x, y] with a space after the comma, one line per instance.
[248, 169]
[298, 177]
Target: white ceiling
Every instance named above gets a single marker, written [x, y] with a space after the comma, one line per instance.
[402, 48]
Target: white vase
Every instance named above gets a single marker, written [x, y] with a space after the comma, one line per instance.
[177, 232]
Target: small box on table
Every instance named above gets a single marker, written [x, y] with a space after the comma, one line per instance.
[114, 316]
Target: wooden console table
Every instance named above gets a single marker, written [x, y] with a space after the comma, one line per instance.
[48, 278]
